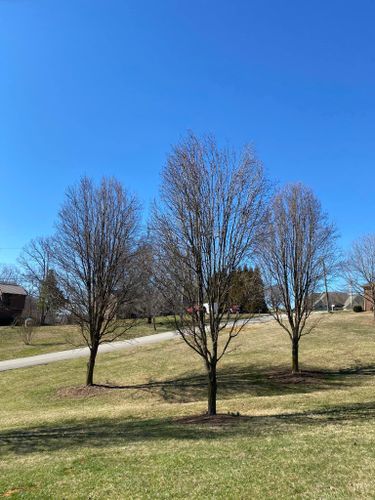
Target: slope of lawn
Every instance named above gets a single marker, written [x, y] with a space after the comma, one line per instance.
[297, 437]
[62, 337]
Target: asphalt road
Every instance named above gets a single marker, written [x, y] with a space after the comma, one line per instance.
[43, 359]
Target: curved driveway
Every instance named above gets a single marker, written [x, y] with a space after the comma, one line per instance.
[43, 359]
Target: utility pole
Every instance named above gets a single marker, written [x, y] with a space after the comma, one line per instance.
[326, 287]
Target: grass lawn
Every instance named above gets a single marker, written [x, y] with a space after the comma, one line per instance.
[303, 437]
[61, 337]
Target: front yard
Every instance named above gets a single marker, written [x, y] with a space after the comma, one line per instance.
[297, 437]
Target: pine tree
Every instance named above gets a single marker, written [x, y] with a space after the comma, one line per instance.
[247, 290]
[257, 299]
[50, 296]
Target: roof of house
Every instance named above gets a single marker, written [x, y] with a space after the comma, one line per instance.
[353, 300]
[12, 288]
[335, 298]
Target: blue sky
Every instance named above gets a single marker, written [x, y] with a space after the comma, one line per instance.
[105, 87]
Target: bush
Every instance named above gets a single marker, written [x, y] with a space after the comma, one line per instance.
[357, 309]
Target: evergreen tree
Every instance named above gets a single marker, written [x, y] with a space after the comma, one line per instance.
[247, 290]
[50, 296]
[257, 297]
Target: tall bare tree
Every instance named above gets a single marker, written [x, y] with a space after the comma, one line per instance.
[35, 261]
[150, 300]
[296, 256]
[94, 248]
[213, 203]
[359, 268]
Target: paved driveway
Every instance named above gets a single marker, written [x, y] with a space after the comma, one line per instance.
[43, 359]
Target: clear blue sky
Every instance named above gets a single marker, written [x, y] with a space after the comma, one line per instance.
[104, 87]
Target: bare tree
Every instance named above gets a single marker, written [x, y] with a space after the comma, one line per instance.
[296, 256]
[94, 248]
[35, 260]
[359, 268]
[150, 300]
[26, 330]
[9, 273]
[213, 202]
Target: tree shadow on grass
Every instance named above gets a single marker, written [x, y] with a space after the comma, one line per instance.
[247, 380]
[100, 433]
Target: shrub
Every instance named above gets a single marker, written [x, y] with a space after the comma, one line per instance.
[357, 309]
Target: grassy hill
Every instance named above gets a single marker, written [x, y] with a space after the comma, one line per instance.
[297, 437]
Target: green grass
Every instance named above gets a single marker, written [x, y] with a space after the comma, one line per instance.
[304, 437]
[61, 337]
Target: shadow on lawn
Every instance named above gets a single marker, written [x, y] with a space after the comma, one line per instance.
[119, 432]
[250, 381]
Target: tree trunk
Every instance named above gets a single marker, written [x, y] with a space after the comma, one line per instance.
[154, 323]
[91, 365]
[42, 317]
[149, 320]
[212, 390]
[295, 364]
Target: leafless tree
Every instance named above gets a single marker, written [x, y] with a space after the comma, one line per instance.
[35, 261]
[26, 330]
[150, 300]
[359, 268]
[296, 256]
[94, 248]
[213, 203]
[9, 273]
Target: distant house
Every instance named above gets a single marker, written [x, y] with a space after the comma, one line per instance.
[354, 299]
[12, 301]
[336, 300]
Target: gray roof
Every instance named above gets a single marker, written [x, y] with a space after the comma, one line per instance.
[12, 289]
[335, 298]
[354, 300]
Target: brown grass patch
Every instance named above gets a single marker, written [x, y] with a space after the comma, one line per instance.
[12, 492]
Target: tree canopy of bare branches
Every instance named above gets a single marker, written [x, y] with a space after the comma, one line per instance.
[9, 273]
[94, 248]
[150, 301]
[213, 205]
[296, 255]
[359, 268]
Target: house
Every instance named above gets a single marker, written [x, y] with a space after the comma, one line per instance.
[354, 299]
[336, 300]
[12, 301]
[368, 298]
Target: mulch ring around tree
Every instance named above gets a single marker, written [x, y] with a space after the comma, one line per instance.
[81, 391]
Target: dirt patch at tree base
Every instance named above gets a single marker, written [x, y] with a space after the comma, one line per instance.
[81, 391]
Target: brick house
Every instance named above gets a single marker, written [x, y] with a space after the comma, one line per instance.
[369, 297]
[12, 301]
